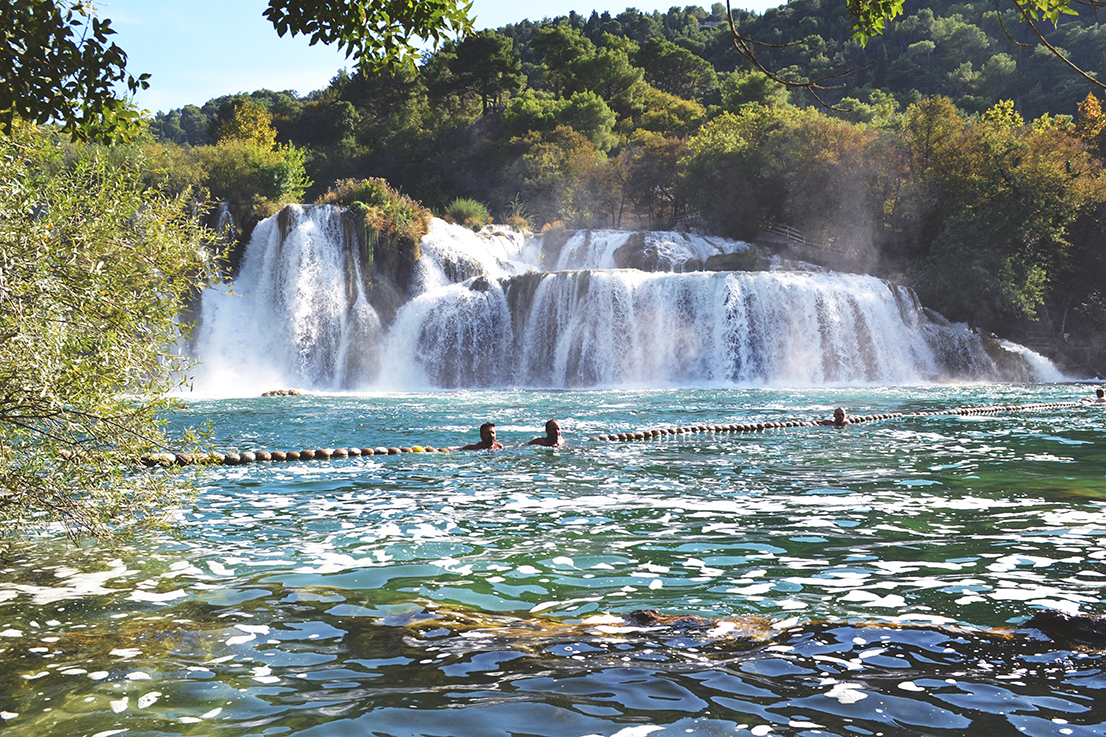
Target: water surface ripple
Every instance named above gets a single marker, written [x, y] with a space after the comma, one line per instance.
[871, 579]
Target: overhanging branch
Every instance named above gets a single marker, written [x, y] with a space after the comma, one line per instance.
[746, 48]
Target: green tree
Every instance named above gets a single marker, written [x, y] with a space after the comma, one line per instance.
[762, 48]
[1006, 195]
[744, 88]
[249, 122]
[649, 168]
[485, 63]
[557, 174]
[675, 70]
[247, 168]
[665, 113]
[94, 270]
[375, 33]
[60, 65]
[532, 111]
[608, 73]
[584, 112]
[730, 176]
[558, 48]
[252, 178]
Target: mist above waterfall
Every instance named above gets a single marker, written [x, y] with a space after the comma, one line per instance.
[482, 313]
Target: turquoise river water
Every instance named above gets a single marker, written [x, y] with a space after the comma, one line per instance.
[867, 580]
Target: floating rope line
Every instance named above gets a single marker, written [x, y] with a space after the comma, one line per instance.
[238, 459]
[245, 457]
[760, 426]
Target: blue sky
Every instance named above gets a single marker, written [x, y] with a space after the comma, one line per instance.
[200, 49]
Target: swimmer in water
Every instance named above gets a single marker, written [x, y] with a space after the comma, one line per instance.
[487, 439]
[1100, 398]
[553, 437]
[839, 419]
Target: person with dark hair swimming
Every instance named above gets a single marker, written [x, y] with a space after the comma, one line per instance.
[1100, 397]
[553, 437]
[839, 419]
[487, 439]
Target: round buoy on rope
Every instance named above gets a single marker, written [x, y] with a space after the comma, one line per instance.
[292, 455]
[157, 459]
[279, 455]
[392, 451]
[232, 459]
[248, 456]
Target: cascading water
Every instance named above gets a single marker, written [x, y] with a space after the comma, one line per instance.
[297, 314]
[629, 328]
[482, 314]
[667, 251]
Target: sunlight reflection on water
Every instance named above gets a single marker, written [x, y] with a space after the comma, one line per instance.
[447, 593]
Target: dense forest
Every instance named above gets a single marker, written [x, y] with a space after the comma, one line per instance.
[957, 156]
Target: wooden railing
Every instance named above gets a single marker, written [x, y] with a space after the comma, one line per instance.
[795, 237]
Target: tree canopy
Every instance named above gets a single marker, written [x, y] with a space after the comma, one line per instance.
[94, 270]
[375, 33]
[60, 65]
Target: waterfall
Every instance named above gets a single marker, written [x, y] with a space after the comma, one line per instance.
[664, 251]
[297, 315]
[481, 313]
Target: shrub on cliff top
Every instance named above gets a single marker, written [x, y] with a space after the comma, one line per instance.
[389, 224]
[468, 212]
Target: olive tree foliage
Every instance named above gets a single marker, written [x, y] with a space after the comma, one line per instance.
[59, 64]
[94, 269]
[376, 33]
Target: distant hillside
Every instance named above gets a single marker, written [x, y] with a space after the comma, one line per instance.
[952, 159]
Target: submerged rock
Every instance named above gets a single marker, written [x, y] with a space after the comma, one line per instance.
[1070, 629]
